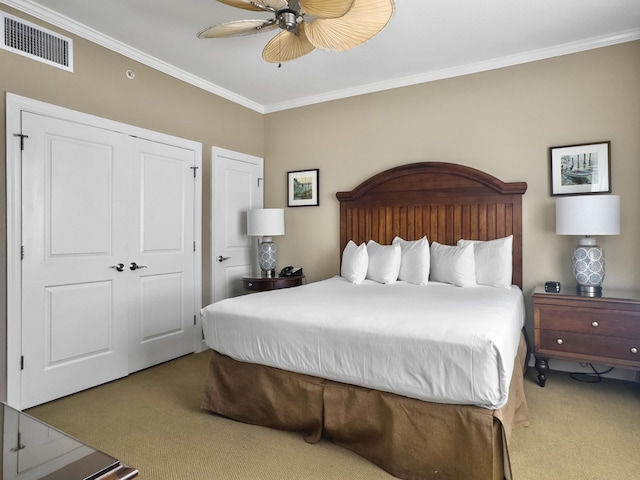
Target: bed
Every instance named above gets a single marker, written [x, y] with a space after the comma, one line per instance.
[446, 407]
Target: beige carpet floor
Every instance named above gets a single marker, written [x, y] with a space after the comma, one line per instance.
[152, 421]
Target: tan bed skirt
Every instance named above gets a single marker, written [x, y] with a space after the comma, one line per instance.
[411, 439]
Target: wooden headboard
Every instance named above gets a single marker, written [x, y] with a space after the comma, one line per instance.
[443, 201]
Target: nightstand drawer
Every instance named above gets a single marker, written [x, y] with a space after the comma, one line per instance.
[627, 349]
[264, 284]
[610, 323]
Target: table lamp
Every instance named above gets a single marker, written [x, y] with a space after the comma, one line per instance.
[588, 215]
[266, 223]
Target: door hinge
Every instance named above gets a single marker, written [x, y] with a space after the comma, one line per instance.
[21, 362]
[20, 446]
[194, 245]
[259, 180]
[22, 137]
[194, 320]
[195, 169]
[21, 252]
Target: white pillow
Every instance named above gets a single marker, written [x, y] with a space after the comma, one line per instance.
[494, 261]
[451, 264]
[384, 262]
[355, 261]
[415, 260]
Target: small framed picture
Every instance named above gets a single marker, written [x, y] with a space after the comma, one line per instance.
[580, 169]
[302, 188]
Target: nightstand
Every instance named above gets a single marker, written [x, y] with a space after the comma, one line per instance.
[263, 284]
[603, 330]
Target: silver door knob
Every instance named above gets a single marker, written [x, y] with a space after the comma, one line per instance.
[135, 266]
[119, 267]
[222, 259]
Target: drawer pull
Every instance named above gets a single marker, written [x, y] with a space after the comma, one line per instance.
[594, 324]
[559, 341]
[249, 284]
[634, 350]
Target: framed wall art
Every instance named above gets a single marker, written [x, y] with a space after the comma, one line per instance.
[580, 169]
[302, 188]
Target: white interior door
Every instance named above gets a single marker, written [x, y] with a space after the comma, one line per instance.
[237, 187]
[161, 243]
[74, 306]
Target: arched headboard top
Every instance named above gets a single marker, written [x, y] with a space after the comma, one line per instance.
[443, 201]
[432, 176]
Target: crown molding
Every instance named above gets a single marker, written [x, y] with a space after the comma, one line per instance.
[493, 64]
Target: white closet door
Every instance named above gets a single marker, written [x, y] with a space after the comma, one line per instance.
[74, 305]
[161, 243]
[93, 200]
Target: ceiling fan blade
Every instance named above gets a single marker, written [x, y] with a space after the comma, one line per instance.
[287, 46]
[365, 19]
[257, 5]
[326, 8]
[238, 28]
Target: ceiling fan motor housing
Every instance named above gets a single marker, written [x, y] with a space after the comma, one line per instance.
[288, 20]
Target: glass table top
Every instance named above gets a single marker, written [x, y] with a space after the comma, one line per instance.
[33, 450]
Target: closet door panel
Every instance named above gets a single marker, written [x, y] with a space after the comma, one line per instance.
[161, 233]
[74, 306]
[80, 170]
[162, 298]
[162, 203]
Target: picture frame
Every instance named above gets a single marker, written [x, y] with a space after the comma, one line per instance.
[303, 188]
[580, 169]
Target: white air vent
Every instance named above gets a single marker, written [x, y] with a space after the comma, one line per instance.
[35, 42]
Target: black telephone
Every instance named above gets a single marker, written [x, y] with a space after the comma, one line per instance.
[291, 272]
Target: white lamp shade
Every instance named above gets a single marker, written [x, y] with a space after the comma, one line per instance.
[265, 222]
[588, 215]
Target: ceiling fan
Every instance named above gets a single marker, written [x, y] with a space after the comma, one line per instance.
[335, 25]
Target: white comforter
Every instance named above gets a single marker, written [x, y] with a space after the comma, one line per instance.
[433, 342]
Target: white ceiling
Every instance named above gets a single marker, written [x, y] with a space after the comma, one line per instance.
[425, 40]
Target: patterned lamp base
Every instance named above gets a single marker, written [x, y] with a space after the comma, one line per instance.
[267, 257]
[588, 267]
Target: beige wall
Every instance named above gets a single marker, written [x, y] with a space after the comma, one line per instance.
[502, 122]
[152, 100]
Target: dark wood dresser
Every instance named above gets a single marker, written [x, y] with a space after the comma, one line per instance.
[603, 330]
